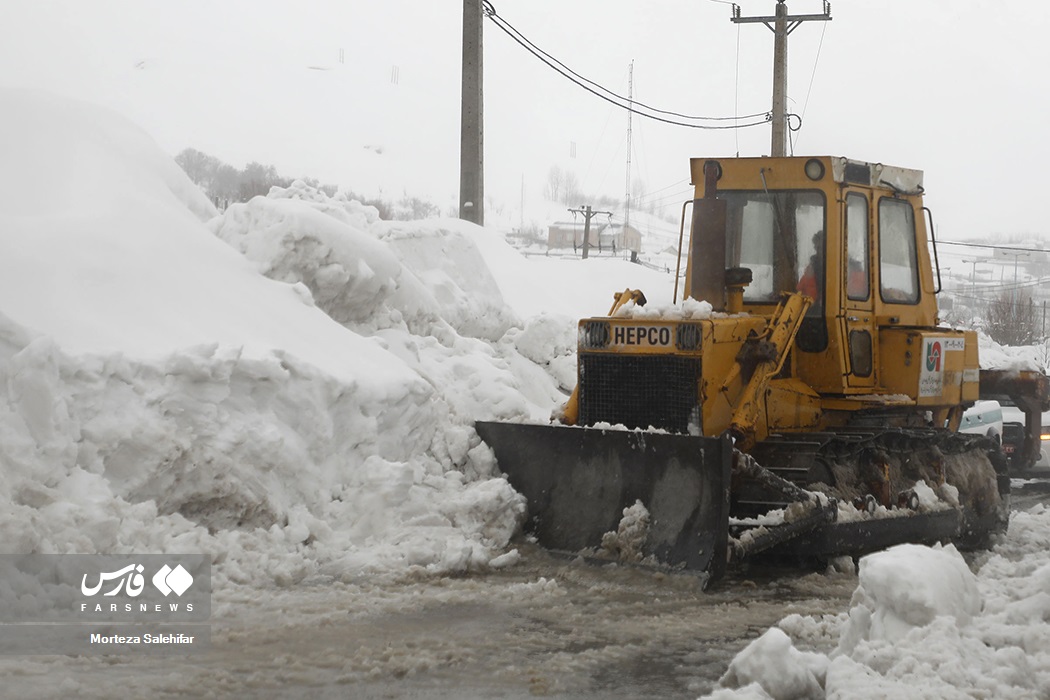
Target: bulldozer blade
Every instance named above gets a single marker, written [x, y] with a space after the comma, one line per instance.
[578, 481]
[865, 536]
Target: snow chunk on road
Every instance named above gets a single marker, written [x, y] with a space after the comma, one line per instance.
[909, 586]
[784, 672]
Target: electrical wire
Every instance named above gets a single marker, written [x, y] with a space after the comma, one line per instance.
[994, 246]
[679, 183]
[610, 96]
[812, 76]
[676, 197]
[1001, 287]
[504, 24]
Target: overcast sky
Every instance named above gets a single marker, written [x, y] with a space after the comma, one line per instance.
[366, 94]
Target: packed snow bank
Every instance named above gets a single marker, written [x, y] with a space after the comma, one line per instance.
[921, 624]
[996, 356]
[157, 393]
[265, 461]
[422, 290]
[364, 272]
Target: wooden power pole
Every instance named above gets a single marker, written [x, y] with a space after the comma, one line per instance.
[781, 24]
[588, 214]
[471, 133]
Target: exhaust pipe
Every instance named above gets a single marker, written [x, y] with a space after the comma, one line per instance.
[707, 244]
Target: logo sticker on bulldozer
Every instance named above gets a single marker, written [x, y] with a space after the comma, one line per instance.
[934, 356]
[931, 377]
[642, 336]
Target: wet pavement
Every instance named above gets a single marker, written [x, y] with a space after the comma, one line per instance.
[545, 627]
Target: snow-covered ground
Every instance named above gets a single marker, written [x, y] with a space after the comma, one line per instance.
[290, 387]
[921, 624]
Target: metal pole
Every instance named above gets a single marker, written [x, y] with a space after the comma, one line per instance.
[779, 145]
[1015, 283]
[471, 143]
[973, 280]
[587, 231]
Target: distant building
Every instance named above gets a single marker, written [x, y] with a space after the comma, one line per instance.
[625, 238]
[569, 234]
[611, 238]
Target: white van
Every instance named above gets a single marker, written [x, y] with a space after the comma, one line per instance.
[984, 418]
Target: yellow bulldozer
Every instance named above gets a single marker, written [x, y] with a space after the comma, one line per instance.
[802, 398]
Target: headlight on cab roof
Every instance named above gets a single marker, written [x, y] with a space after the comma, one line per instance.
[814, 169]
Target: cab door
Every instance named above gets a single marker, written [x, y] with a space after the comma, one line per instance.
[858, 290]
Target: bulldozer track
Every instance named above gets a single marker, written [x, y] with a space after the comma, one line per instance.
[872, 468]
[797, 458]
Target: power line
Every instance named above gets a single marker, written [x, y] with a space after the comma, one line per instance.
[676, 197]
[812, 76]
[983, 292]
[1003, 287]
[604, 93]
[651, 194]
[509, 28]
[994, 246]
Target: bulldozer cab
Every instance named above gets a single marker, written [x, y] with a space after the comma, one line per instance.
[850, 235]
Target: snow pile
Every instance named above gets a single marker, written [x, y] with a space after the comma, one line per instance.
[688, 309]
[939, 584]
[374, 275]
[446, 255]
[1028, 358]
[626, 543]
[157, 393]
[921, 624]
[421, 290]
[771, 661]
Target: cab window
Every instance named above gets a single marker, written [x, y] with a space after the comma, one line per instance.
[857, 274]
[898, 262]
[779, 236]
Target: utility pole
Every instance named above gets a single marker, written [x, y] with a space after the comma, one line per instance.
[587, 216]
[781, 24]
[1016, 255]
[973, 279]
[471, 141]
[630, 106]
